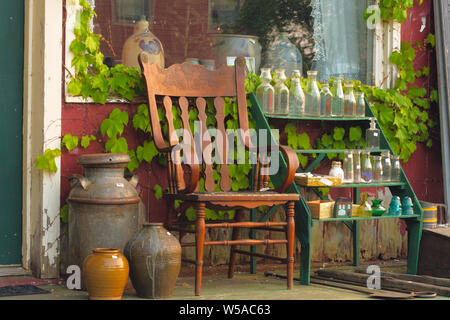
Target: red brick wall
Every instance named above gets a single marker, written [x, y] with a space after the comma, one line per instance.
[424, 169]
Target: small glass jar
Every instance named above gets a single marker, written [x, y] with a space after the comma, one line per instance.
[312, 96]
[326, 98]
[349, 101]
[377, 169]
[366, 167]
[360, 104]
[348, 167]
[356, 166]
[336, 170]
[395, 168]
[296, 96]
[337, 106]
[265, 92]
[386, 162]
[281, 105]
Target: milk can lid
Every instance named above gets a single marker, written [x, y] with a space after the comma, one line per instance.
[103, 159]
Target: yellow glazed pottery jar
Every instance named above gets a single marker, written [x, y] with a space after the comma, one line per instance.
[105, 272]
[142, 40]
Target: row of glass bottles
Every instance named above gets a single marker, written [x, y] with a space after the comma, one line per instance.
[281, 100]
[360, 167]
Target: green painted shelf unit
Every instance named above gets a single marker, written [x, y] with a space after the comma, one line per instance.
[303, 218]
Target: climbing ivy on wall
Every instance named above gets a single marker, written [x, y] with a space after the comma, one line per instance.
[401, 111]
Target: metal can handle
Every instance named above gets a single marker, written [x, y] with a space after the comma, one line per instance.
[134, 180]
[78, 178]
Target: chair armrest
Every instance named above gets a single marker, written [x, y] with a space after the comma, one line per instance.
[292, 165]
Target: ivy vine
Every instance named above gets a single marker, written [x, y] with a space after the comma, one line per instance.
[401, 111]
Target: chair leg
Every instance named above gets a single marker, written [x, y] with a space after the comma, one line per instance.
[235, 236]
[290, 233]
[199, 244]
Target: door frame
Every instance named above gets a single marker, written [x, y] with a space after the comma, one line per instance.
[43, 47]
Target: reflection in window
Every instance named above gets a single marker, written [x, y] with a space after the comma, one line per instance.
[327, 35]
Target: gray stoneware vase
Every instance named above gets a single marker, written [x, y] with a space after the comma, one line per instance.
[154, 255]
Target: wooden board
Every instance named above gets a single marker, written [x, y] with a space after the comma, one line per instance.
[434, 256]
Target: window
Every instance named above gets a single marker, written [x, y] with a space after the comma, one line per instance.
[330, 36]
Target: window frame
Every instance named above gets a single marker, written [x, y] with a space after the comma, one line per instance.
[387, 38]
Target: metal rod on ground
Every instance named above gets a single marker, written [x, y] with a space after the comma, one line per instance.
[386, 282]
[415, 278]
[326, 283]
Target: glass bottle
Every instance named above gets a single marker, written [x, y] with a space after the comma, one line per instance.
[281, 106]
[326, 98]
[356, 166]
[296, 96]
[348, 167]
[349, 101]
[365, 209]
[386, 162]
[395, 168]
[337, 106]
[366, 167]
[265, 92]
[312, 96]
[360, 104]
[372, 136]
[336, 170]
[377, 169]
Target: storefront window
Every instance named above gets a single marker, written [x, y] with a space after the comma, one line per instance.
[329, 36]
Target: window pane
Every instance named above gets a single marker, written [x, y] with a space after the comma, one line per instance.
[328, 35]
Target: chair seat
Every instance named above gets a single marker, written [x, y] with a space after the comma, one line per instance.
[263, 196]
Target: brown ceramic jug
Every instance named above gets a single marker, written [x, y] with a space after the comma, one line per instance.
[105, 272]
[155, 260]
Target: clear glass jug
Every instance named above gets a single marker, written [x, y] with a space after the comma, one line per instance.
[395, 168]
[281, 106]
[348, 167]
[296, 96]
[377, 169]
[312, 96]
[337, 106]
[366, 167]
[386, 162]
[265, 92]
[356, 166]
[326, 98]
[349, 101]
[360, 104]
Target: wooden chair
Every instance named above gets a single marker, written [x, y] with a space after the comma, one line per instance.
[188, 86]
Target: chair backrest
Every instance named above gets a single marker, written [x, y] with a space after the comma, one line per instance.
[188, 86]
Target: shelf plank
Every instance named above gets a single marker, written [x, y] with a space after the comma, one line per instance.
[369, 218]
[363, 185]
[336, 150]
[318, 118]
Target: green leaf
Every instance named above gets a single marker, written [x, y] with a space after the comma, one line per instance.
[74, 87]
[86, 140]
[158, 191]
[64, 213]
[149, 151]
[355, 133]
[304, 141]
[338, 133]
[327, 140]
[70, 142]
[115, 145]
[134, 163]
[47, 160]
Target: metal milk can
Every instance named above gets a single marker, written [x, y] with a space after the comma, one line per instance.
[105, 210]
